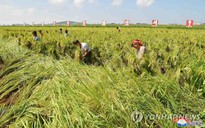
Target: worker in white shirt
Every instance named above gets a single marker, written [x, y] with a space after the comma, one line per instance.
[35, 36]
[140, 49]
[86, 51]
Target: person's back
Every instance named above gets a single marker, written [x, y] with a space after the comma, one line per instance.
[85, 47]
[36, 38]
[86, 51]
[140, 52]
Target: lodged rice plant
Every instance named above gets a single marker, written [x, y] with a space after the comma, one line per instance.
[42, 84]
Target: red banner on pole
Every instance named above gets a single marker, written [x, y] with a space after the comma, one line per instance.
[126, 22]
[155, 23]
[68, 23]
[189, 23]
[84, 23]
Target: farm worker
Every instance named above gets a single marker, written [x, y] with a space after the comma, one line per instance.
[66, 33]
[137, 44]
[86, 51]
[35, 36]
[60, 30]
[118, 29]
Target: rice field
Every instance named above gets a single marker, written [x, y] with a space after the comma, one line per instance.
[43, 84]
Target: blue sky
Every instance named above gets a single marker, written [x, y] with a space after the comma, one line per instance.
[94, 11]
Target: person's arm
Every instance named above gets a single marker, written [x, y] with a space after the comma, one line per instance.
[85, 53]
[86, 48]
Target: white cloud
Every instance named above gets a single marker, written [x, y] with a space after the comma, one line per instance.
[17, 12]
[18, 15]
[31, 11]
[117, 2]
[5, 7]
[79, 3]
[22, 11]
[144, 3]
[91, 1]
[45, 11]
[57, 2]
